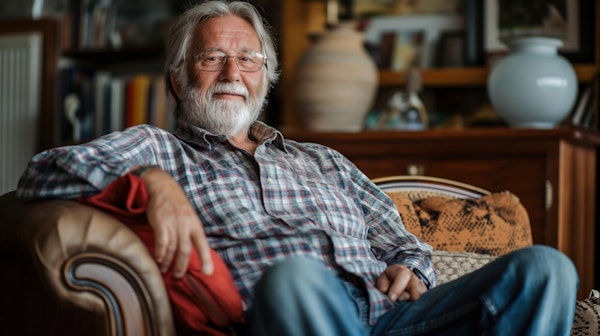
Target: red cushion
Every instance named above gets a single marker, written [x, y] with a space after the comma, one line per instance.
[201, 303]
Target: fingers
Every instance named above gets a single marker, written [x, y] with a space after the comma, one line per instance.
[415, 289]
[383, 283]
[177, 228]
[166, 240]
[187, 236]
[192, 238]
[201, 245]
[182, 259]
[164, 248]
[174, 245]
[161, 241]
[400, 284]
[405, 296]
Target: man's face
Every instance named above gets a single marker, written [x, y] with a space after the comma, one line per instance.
[228, 100]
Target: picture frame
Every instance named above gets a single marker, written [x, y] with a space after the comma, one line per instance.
[564, 11]
[431, 25]
[369, 8]
[483, 30]
[450, 49]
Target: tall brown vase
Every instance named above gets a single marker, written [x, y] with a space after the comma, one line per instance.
[336, 81]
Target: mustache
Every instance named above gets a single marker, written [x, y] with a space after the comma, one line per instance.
[228, 88]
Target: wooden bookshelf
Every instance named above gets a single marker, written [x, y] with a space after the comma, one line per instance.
[300, 18]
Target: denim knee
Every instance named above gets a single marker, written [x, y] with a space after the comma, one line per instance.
[535, 291]
[294, 279]
[544, 264]
[301, 296]
[293, 273]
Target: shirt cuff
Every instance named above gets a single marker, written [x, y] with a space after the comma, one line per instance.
[421, 276]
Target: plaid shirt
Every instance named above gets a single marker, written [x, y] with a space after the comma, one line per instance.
[288, 199]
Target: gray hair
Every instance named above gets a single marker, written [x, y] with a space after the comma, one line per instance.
[180, 35]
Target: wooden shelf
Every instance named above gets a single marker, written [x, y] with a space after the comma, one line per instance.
[103, 56]
[466, 76]
[440, 77]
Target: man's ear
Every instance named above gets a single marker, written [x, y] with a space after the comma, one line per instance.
[266, 86]
[175, 84]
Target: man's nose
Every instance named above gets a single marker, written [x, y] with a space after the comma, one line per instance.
[230, 69]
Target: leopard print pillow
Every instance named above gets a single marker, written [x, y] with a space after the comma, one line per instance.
[494, 224]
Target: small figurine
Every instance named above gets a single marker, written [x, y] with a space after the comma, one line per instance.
[405, 110]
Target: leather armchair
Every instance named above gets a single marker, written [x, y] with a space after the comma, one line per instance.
[70, 269]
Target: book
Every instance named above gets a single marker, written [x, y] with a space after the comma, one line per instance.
[91, 23]
[102, 100]
[137, 93]
[157, 104]
[117, 104]
[584, 112]
[386, 49]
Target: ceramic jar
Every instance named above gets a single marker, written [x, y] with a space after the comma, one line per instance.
[335, 81]
[533, 86]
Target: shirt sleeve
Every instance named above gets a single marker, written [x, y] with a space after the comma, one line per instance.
[390, 241]
[84, 170]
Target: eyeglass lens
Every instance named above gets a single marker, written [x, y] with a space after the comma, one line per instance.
[215, 61]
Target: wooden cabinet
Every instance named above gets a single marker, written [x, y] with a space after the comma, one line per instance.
[553, 172]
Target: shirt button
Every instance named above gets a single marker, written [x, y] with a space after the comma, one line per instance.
[270, 180]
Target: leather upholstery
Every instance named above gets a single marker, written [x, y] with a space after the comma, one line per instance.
[94, 268]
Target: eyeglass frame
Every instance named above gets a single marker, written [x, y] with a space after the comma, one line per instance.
[197, 57]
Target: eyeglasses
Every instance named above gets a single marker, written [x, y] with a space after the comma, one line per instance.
[246, 61]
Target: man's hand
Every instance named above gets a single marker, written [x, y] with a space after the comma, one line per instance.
[175, 223]
[400, 284]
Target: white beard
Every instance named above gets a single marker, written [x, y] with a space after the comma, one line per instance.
[221, 116]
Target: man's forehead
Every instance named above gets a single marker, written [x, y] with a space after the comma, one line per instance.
[229, 28]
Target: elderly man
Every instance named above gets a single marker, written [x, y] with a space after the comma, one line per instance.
[314, 247]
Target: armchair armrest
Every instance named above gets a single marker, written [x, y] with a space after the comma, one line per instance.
[89, 262]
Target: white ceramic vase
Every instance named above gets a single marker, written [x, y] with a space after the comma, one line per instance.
[533, 86]
[336, 81]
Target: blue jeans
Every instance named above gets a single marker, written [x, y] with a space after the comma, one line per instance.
[528, 292]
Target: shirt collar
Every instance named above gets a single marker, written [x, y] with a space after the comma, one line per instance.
[259, 132]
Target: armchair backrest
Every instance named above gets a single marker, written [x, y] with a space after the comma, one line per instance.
[419, 187]
[458, 217]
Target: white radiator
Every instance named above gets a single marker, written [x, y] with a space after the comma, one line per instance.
[20, 75]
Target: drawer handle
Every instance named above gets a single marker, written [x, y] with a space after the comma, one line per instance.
[549, 195]
[415, 169]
